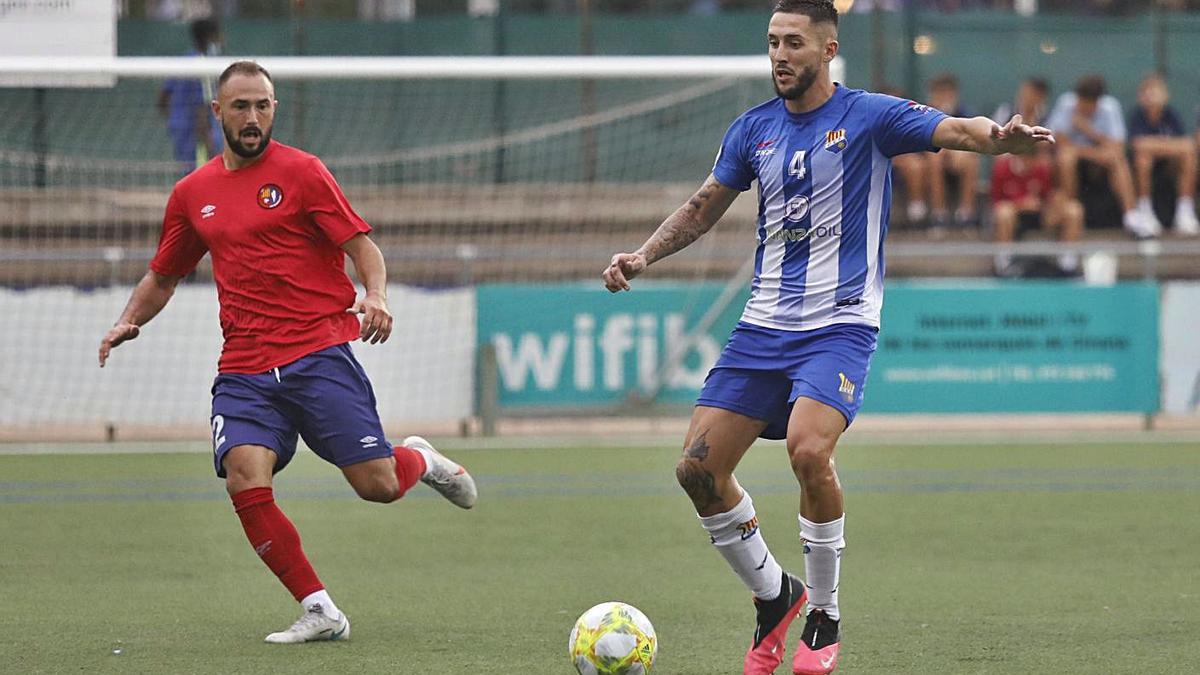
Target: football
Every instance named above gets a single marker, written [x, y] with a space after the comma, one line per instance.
[613, 638]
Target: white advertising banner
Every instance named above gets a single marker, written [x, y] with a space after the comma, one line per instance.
[72, 28]
[1181, 347]
[50, 377]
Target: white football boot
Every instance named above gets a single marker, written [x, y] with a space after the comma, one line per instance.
[450, 479]
[313, 626]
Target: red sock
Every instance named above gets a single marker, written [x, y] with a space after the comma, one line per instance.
[276, 541]
[410, 466]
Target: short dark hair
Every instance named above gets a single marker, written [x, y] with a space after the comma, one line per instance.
[818, 11]
[1040, 84]
[205, 31]
[243, 68]
[944, 81]
[1090, 87]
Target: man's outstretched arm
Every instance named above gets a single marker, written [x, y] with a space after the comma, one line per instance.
[680, 229]
[147, 300]
[982, 135]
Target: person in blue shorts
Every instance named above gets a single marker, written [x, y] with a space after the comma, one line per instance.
[796, 365]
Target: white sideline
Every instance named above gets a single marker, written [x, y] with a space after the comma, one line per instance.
[668, 432]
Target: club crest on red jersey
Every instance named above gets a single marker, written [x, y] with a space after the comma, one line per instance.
[270, 196]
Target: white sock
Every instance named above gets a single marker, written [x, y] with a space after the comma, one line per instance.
[426, 456]
[1003, 260]
[736, 535]
[1068, 262]
[1144, 204]
[823, 544]
[1185, 204]
[321, 598]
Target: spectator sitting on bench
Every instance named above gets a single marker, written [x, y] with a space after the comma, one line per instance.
[1023, 194]
[1090, 131]
[1157, 134]
[943, 95]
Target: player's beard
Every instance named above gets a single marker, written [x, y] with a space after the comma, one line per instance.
[235, 144]
[804, 80]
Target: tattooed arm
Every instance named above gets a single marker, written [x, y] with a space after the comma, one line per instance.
[689, 221]
[681, 228]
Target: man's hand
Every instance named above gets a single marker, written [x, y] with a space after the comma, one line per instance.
[376, 321]
[119, 333]
[1018, 138]
[623, 268]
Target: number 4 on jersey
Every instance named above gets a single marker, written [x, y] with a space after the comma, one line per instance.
[796, 168]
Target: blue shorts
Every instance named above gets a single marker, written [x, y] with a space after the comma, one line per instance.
[324, 397]
[762, 371]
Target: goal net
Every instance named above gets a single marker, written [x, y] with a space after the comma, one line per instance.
[471, 171]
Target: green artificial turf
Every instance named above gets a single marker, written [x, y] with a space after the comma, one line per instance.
[960, 559]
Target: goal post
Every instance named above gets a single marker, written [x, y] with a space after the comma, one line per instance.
[406, 67]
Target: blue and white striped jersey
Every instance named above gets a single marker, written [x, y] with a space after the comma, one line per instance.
[824, 196]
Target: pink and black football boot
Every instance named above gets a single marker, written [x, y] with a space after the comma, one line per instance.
[774, 617]
[817, 652]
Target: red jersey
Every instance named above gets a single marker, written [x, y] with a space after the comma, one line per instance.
[274, 229]
[1015, 178]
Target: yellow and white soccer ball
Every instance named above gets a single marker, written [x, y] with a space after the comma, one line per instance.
[613, 638]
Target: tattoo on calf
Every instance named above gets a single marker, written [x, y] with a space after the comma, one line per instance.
[697, 481]
[699, 447]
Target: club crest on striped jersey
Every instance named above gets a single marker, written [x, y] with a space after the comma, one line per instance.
[835, 141]
[270, 196]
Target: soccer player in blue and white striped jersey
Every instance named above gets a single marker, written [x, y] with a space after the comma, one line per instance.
[797, 362]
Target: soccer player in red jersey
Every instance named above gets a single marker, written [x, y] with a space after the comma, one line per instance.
[278, 228]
